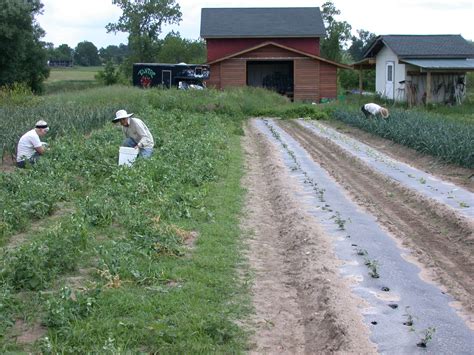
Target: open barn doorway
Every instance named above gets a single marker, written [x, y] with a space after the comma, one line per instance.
[271, 75]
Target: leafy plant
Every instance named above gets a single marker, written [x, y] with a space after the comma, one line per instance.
[409, 319]
[372, 264]
[339, 220]
[426, 337]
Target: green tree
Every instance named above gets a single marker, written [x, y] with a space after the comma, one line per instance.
[108, 76]
[142, 20]
[86, 54]
[349, 79]
[175, 49]
[116, 54]
[359, 44]
[337, 33]
[23, 56]
[63, 52]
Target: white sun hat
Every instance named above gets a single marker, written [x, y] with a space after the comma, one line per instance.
[121, 114]
[42, 124]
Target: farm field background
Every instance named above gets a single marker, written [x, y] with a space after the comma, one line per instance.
[72, 74]
[97, 257]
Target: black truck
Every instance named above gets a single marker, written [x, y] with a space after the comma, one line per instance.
[180, 75]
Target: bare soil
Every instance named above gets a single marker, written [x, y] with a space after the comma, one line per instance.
[302, 303]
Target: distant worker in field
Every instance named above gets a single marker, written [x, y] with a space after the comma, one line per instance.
[372, 110]
[30, 146]
[137, 134]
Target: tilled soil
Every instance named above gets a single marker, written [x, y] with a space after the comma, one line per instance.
[302, 304]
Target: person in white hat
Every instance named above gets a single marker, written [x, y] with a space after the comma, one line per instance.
[30, 146]
[372, 110]
[137, 134]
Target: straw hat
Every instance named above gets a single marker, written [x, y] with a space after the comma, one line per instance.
[384, 112]
[121, 114]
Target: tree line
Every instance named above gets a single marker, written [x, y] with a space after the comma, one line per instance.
[25, 56]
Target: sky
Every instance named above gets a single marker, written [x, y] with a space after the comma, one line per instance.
[71, 22]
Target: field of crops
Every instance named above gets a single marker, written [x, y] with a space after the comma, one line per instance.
[102, 257]
[99, 258]
[451, 140]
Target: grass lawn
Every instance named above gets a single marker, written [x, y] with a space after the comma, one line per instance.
[74, 73]
[71, 79]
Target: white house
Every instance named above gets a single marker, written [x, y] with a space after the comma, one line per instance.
[420, 68]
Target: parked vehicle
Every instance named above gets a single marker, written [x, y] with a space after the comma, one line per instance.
[166, 75]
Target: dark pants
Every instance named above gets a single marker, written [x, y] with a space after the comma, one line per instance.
[366, 113]
[32, 161]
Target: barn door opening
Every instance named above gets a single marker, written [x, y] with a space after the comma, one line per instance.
[271, 75]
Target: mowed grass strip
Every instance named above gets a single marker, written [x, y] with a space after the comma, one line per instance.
[73, 74]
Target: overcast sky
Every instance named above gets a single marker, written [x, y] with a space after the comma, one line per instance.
[72, 21]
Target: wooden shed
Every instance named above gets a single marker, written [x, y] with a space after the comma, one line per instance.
[274, 48]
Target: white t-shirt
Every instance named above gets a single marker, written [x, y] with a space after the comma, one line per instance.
[373, 108]
[27, 144]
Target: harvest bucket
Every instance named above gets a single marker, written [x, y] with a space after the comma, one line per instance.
[127, 155]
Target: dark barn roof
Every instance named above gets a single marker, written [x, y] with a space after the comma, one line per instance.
[423, 46]
[261, 22]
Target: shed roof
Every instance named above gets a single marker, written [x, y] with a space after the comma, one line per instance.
[452, 64]
[261, 22]
[423, 46]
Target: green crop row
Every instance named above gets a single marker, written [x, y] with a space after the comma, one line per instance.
[444, 138]
[144, 291]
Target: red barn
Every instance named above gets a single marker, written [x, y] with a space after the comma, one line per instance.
[274, 48]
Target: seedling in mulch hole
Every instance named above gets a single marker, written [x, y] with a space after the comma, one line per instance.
[362, 252]
[422, 180]
[409, 322]
[427, 337]
[463, 205]
[372, 265]
[339, 221]
[321, 195]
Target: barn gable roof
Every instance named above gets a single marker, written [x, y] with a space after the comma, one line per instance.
[261, 22]
[422, 46]
[269, 43]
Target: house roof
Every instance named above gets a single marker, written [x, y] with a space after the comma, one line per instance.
[422, 46]
[261, 45]
[452, 64]
[261, 22]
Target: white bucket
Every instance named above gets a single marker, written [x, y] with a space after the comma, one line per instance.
[127, 155]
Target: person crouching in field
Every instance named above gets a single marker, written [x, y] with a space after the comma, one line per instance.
[30, 146]
[137, 134]
[372, 110]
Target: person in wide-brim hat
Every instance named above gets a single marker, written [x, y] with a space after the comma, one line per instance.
[137, 134]
[372, 110]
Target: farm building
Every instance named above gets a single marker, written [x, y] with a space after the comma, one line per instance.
[274, 48]
[420, 68]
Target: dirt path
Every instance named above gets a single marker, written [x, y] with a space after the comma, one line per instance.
[302, 304]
